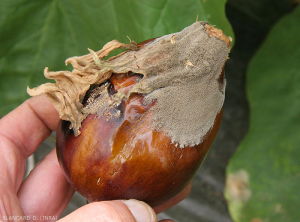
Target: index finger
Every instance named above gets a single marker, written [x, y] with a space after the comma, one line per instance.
[30, 124]
[21, 132]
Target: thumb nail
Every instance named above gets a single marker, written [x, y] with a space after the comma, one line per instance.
[141, 211]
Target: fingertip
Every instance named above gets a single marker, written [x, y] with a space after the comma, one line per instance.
[45, 110]
[116, 210]
[141, 211]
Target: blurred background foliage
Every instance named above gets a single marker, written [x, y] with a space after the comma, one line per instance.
[263, 175]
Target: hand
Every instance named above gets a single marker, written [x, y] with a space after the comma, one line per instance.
[45, 192]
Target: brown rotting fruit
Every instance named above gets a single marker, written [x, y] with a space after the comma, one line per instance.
[141, 123]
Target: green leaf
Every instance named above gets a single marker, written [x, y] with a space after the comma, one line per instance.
[263, 177]
[35, 34]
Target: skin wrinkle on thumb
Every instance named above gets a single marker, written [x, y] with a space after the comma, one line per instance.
[141, 211]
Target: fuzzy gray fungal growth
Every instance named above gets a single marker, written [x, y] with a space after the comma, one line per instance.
[181, 71]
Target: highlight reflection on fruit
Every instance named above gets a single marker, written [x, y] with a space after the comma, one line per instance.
[140, 124]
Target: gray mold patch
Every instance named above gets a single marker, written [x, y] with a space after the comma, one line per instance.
[181, 71]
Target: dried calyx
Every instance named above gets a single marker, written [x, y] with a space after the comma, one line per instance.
[182, 72]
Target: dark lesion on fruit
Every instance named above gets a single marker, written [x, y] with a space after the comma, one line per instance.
[96, 90]
[93, 93]
[101, 102]
[107, 98]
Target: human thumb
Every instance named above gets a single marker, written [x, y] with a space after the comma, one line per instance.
[113, 211]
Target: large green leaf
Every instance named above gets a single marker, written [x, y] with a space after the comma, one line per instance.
[263, 177]
[35, 33]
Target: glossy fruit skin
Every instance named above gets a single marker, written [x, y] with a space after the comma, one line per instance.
[123, 158]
